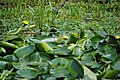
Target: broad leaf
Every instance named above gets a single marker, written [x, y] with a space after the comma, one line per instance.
[51, 78]
[93, 64]
[76, 66]
[20, 65]
[34, 57]
[111, 74]
[59, 71]
[2, 64]
[96, 39]
[110, 52]
[61, 51]
[89, 73]
[61, 61]
[10, 58]
[24, 51]
[116, 64]
[77, 51]
[27, 73]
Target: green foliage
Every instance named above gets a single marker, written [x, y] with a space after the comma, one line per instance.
[94, 57]
[79, 41]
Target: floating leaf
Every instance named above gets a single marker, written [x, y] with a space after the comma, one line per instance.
[89, 73]
[111, 74]
[77, 51]
[61, 61]
[93, 64]
[24, 51]
[10, 58]
[44, 40]
[34, 57]
[2, 64]
[96, 39]
[59, 72]
[110, 52]
[61, 51]
[116, 64]
[27, 73]
[76, 66]
[45, 57]
[20, 65]
[49, 40]
[51, 78]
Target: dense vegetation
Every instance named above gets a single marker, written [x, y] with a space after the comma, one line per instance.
[49, 40]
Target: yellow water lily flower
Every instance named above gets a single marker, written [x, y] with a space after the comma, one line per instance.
[25, 22]
[117, 37]
[65, 37]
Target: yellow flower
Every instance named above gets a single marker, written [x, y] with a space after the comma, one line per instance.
[25, 22]
[65, 37]
[117, 37]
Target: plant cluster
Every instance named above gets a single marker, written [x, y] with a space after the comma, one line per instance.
[78, 41]
[64, 55]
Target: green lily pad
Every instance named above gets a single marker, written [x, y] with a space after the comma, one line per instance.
[24, 51]
[61, 51]
[27, 73]
[116, 64]
[76, 66]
